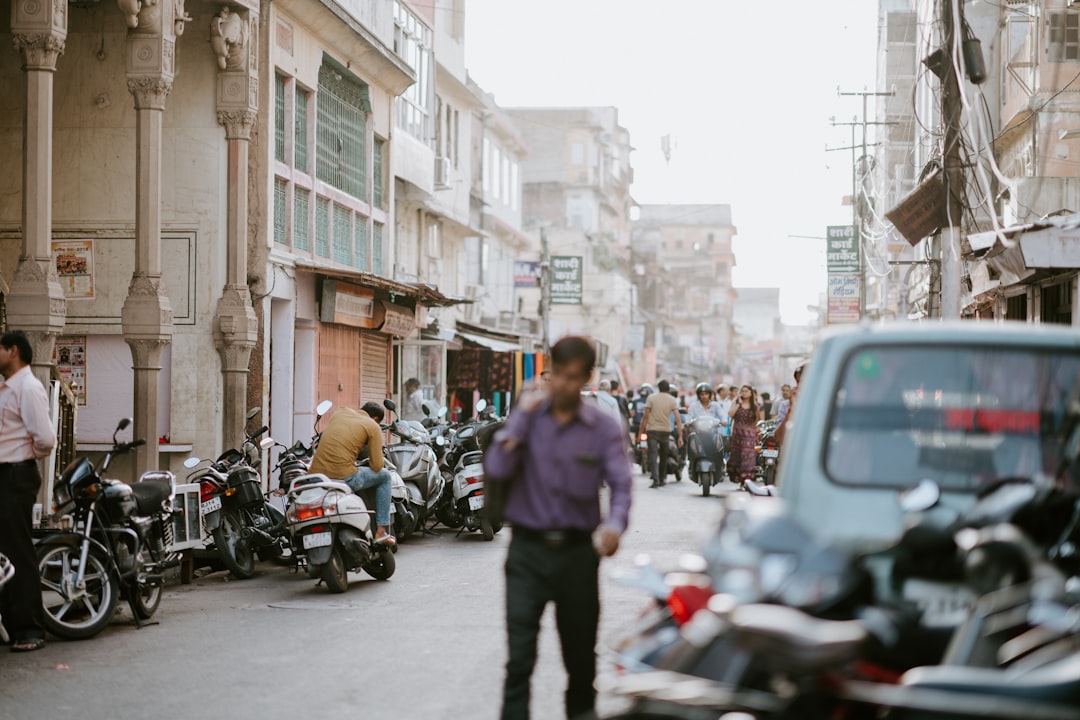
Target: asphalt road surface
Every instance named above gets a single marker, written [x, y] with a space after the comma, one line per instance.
[427, 643]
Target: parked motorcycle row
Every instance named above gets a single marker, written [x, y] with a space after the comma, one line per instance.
[115, 538]
[971, 615]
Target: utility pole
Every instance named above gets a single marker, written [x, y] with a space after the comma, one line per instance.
[948, 246]
[545, 291]
[856, 221]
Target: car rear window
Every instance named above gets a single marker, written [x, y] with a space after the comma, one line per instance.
[961, 416]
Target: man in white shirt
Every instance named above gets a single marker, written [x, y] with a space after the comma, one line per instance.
[414, 401]
[26, 435]
[607, 402]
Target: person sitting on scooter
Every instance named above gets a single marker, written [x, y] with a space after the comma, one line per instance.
[705, 405]
[349, 433]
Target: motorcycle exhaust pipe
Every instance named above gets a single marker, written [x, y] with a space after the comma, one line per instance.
[256, 536]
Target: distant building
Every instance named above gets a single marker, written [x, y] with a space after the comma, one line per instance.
[576, 187]
[759, 336]
[682, 261]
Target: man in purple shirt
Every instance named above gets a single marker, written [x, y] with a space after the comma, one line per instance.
[557, 452]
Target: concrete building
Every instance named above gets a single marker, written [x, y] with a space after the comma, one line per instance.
[759, 337]
[1028, 121]
[576, 189]
[683, 260]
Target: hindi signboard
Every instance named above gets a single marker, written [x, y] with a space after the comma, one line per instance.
[842, 254]
[843, 299]
[566, 279]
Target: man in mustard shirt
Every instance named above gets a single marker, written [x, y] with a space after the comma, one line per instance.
[349, 433]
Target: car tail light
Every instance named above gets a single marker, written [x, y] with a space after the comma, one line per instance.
[685, 600]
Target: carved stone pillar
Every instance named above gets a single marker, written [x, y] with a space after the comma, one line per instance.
[147, 314]
[236, 327]
[35, 302]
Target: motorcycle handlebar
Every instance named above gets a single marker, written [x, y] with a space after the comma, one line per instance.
[258, 432]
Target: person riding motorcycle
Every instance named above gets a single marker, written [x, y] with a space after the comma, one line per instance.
[639, 406]
[348, 434]
[705, 405]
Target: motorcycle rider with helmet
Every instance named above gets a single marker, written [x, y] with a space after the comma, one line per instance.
[639, 406]
[705, 405]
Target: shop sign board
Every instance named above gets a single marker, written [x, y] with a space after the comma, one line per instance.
[347, 304]
[842, 253]
[526, 274]
[843, 299]
[566, 279]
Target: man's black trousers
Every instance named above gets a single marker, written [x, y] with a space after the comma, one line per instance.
[20, 599]
[658, 454]
[537, 574]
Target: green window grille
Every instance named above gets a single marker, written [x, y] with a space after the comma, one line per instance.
[279, 118]
[341, 132]
[301, 204]
[281, 190]
[360, 243]
[342, 235]
[377, 173]
[322, 227]
[377, 249]
[301, 142]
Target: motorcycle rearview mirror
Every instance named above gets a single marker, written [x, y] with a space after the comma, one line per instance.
[481, 406]
[124, 423]
[252, 413]
[440, 441]
[323, 407]
[442, 412]
[426, 409]
[267, 443]
[920, 497]
[192, 462]
[389, 405]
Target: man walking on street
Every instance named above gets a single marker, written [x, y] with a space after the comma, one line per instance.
[414, 401]
[26, 435]
[657, 423]
[555, 452]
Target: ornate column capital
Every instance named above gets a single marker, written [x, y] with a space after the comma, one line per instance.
[238, 123]
[39, 50]
[149, 92]
[147, 313]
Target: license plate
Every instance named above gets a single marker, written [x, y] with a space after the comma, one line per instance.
[476, 502]
[770, 453]
[211, 505]
[320, 539]
[942, 604]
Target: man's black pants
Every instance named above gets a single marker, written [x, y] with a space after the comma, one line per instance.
[658, 444]
[537, 574]
[20, 599]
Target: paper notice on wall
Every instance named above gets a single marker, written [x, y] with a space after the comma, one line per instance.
[69, 355]
[75, 267]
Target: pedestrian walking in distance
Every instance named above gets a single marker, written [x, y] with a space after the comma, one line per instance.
[26, 435]
[660, 409]
[554, 453]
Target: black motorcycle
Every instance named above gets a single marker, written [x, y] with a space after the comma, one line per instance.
[705, 451]
[235, 508]
[119, 547]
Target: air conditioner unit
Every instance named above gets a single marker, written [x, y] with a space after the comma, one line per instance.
[442, 172]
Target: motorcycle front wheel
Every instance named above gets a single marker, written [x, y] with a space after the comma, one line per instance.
[382, 566]
[72, 613]
[235, 552]
[144, 599]
[705, 480]
[486, 529]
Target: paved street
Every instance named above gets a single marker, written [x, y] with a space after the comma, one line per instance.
[428, 643]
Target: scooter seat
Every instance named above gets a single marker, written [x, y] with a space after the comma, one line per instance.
[151, 490]
[1056, 682]
[794, 639]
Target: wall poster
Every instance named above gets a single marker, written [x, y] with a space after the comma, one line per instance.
[75, 267]
[69, 355]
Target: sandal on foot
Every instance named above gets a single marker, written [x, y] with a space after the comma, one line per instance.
[388, 540]
[27, 645]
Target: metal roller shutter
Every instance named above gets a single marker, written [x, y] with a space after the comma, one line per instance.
[374, 366]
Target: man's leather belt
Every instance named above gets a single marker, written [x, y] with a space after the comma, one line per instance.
[20, 464]
[555, 539]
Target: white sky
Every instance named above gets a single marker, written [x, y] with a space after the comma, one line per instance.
[745, 88]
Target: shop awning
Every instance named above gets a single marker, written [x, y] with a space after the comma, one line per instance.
[490, 343]
[424, 294]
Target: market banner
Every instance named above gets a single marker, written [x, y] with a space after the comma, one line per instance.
[566, 279]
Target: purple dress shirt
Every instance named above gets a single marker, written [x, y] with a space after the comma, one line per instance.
[563, 469]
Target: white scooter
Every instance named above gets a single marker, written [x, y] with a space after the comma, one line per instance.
[416, 462]
[333, 531]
